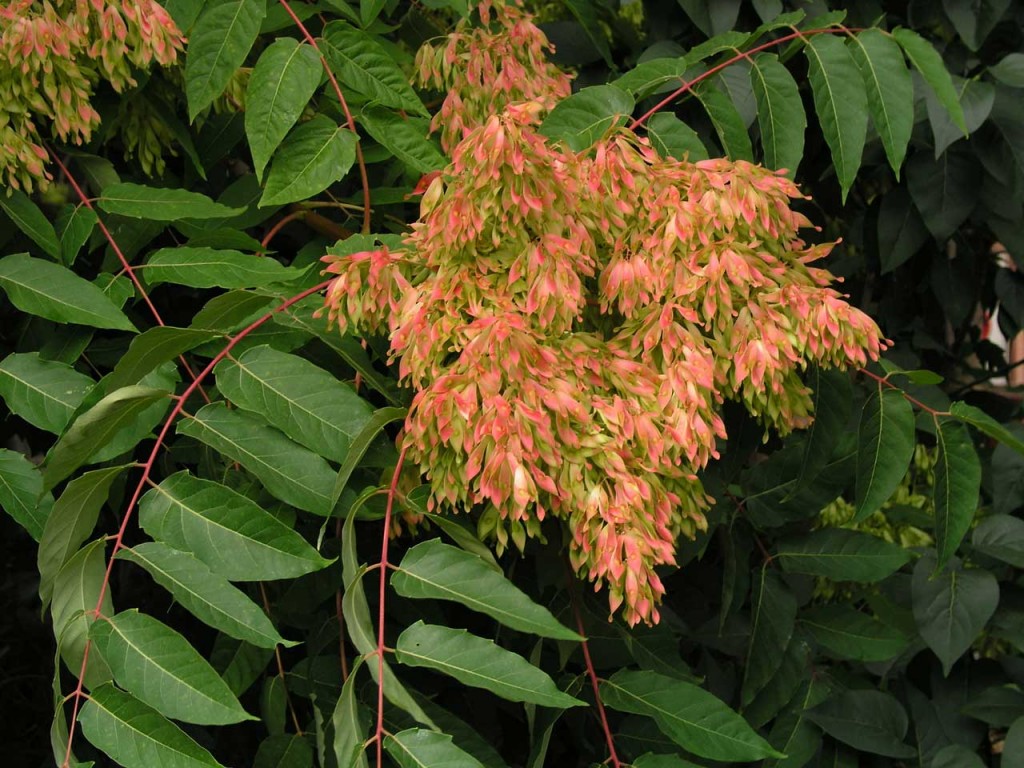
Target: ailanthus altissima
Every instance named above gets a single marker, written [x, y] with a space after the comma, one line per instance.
[573, 322]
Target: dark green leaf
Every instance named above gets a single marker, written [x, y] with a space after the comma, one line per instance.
[1013, 747]
[586, 13]
[374, 427]
[150, 349]
[439, 571]
[849, 634]
[998, 705]
[479, 663]
[239, 663]
[405, 137]
[284, 751]
[210, 268]
[30, 220]
[884, 448]
[840, 99]
[689, 715]
[159, 204]
[1001, 537]
[842, 555]
[957, 482]
[21, 493]
[42, 288]
[217, 47]
[976, 100]
[956, 756]
[280, 86]
[901, 230]
[772, 618]
[833, 396]
[870, 721]
[137, 736]
[653, 76]
[349, 731]
[975, 19]
[44, 393]
[729, 126]
[315, 155]
[586, 116]
[74, 226]
[929, 63]
[1009, 70]
[780, 113]
[952, 607]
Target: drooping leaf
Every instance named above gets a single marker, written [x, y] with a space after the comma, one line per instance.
[349, 730]
[674, 138]
[974, 21]
[76, 594]
[1013, 746]
[957, 483]
[885, 446]
[217, 47]
[405, 137]
[363, 64]
[479, 663]
[712, 18]
[653, 76]
[419, 748]
[870, 721]
[772, 618]
[29, 219]
[212, 268]
[294, 474]
[1001, 537]
[929, 63]
[360, 444]
[732, 133]
[780, 113]
[165, 378]
[40, 287]
[1009, 70]
[977, 418]
[150, 349]
[584, 117]
[313, 156]
[162, 204]
[951, 607]
[73, 227]
[901, 230]
[976, 100]
[280, 86]
[96, 428]
[586, 13]
[44, 393]
[849, 634]
[21, 493]
[238, 662]
[842, 555]
[284, 751]
[833, 395]
[71, 522]
[137, 736]
[840, 99]
[890, 91]
[305, 402]
[693, 718]
[162, 669]
[206, 595]
[436, 570]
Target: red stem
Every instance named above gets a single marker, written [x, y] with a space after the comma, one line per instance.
[147, 468]
[884, 380]
[284, 222]
[120, 256]
[385, 538]
[344, 106]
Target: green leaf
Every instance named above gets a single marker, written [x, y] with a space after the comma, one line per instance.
[712, 18]
[292, 473]
[1009, 70]
[651, 760]
[890, 91]
[74, 226]
[97, 427]
[842, 555]
[586, 13]
[1013, 746]
[284, 751]
[479, 663]
[957, 483]
[434, 570]
[833, 402]
[772, 618]
[952, 607]
[849, 634]
[161, 204]
[671, 137]
[587, 115]
[375, 426]
[217, 47]
[314, 156]
[901, 230]
[784, 685]
[780, 113]
[419, 748]
[305, 402]
[976, 100]
[957, 756]
[280, 86]
[164, 378]
[230, 533]
[42, 288]
[729, 126]
[137, 736]
[230, 311]
[929, 63]
[364, 65]
[974, 21]
[160, 668]
[239, 663]
[21, 493]
[997, 705]
[71, 522]
[653, 76]
[840, 99]
[206, 595]
[76, 593]
[869, 721]
[885, 446]
[1001, 537]
[405, 137]
[150, 349]
[697, 721]
[349, 730]
[44, 393]
[980, 420]
[211, 268]
[29, 219]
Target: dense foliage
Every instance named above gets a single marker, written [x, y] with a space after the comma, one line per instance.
[571, 330]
